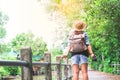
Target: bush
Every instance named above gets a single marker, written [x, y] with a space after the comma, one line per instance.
[3, 72]
[13, 70]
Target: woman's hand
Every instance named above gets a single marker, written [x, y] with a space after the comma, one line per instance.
[64, 55]
[92, 55]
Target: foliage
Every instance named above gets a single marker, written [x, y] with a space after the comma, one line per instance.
[12, 70]
[3, 20]
[3, 72]
[2, 32]
[70, 8]
[103, 20]
[37, 45]
[9, 70]
[55, 52]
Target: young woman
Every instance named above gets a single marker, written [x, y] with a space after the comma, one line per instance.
[79, 57]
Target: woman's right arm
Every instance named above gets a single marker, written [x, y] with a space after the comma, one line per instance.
[66, 52]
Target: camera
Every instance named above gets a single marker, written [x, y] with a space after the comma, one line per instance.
[94, 58]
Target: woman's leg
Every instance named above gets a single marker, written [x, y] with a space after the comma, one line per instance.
[75, 68]
[84, 69]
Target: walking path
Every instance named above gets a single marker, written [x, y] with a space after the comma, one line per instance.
[96, 75]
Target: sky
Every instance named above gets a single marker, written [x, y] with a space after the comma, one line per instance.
[27, 15]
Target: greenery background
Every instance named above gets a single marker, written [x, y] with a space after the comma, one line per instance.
[102, 18]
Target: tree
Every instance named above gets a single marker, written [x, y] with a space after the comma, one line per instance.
[71, 9]
[37, 45]
[103, 19]
[3, 20]
[2, 32]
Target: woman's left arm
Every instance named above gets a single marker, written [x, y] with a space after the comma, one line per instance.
[88, 45]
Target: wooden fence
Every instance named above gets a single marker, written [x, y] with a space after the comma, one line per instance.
[27, 65]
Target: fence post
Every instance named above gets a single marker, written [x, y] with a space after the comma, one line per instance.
[114, 67]
[26, 55]
[70, 70]
[66, 69]
[48, 71]
[59, 72]
[117, 67]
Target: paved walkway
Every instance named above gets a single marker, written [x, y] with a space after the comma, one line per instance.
[96, 75]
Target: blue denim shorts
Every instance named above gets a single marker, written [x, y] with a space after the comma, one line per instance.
[79, 59]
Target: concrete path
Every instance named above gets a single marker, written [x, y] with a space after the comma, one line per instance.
[96, 75]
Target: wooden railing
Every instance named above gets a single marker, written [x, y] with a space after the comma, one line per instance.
[27, 65]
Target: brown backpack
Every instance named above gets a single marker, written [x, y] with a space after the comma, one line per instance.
[77, 42]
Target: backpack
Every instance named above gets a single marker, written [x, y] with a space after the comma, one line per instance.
[77, 42]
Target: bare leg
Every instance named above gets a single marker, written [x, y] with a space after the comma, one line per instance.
[75, 71]
[84, 70]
